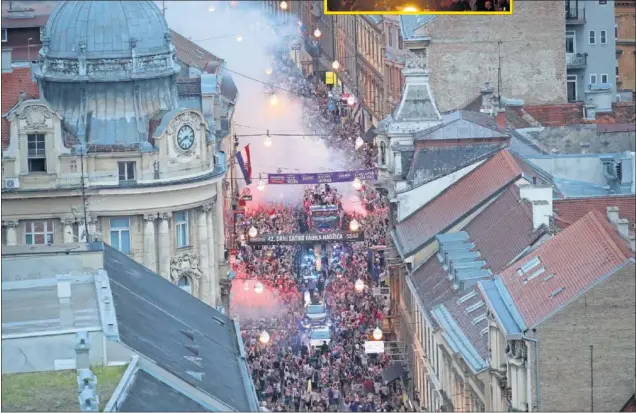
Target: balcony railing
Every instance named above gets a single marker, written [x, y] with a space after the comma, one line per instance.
[575, 60]
[574, 14]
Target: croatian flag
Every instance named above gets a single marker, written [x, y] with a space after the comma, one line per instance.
[245, 163]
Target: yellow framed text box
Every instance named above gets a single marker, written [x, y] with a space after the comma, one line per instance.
[410, 7]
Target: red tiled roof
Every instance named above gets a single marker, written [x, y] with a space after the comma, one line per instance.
[499, 233]
[456, 201]
[578, 257]
[570, 210]
[190, 53]
[19, 80]
[630, 406]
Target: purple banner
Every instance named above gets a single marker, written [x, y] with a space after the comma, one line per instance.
[321, 177]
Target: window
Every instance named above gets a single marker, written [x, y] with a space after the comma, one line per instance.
[126, 171]
[604, 78]
[570, 42]
[36, 153]
[617, 73]
[120, 234]
[602, 1]
[592, 37]
[183, 236]
[616, 31]
[593, 79]
[184, 284]
[603, 37]
[39, 232]
[4, 35]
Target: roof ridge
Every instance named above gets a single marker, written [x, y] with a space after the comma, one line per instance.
[614, 242]
[511, 161]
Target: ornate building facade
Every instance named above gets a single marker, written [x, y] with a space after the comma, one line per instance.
[115, 148]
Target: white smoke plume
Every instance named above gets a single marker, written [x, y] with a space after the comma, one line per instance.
[217, 26]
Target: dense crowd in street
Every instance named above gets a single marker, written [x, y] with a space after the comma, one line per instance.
[290, 373]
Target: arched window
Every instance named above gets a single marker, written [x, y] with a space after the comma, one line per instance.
[382, 153]
[184, 284]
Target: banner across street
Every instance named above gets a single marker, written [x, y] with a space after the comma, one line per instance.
[322, 177]
[306, 238]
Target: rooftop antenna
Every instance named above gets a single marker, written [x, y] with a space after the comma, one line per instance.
[499, 74]
[163, 8]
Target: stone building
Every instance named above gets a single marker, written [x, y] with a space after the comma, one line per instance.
[466, 51]
[561, 321]
[112, 147]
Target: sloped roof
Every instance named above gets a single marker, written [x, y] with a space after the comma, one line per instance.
[410, 23]
[148, 394]
[192, 54]
[153, 317]
[14, 82]
[463, 124]
[457, 201]
[431, 163]
[499, 233]
[570, 210]
[564, 267]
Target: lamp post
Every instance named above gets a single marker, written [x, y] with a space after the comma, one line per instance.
[377, 334]
[252, 232]
[29, 48]
[264, 337]
[354, 225]
[359, 285]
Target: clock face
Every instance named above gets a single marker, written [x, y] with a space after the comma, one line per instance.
[185, 137]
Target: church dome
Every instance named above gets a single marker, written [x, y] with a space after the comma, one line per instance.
[106, 29]
[105, 41]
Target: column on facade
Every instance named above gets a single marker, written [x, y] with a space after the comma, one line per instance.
[219, 225]
[82, 230]
[67, 228]
[12, 232]
[164, 245]
[212, 260]
[150, 252]
[202, 229]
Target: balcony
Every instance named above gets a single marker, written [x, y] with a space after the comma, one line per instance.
[575, 61]
[574, 15]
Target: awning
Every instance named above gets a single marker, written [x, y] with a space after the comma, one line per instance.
[393, 372]
[369, 135]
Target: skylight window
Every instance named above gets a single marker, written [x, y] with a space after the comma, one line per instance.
[534, 275]
[484, 331]
[474, 307]
[528, 266]
[479, 318]
[557, 292]
[467, 297]
[548, 277]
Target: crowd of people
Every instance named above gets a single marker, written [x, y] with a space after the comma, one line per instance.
[289, 371]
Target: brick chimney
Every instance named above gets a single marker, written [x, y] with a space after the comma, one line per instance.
[487, 99]
[501, 118]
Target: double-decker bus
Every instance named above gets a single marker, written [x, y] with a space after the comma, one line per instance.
[324, 218]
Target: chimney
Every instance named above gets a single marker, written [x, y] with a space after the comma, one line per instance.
[623, 227]
[501, 118]
[82, 347]
[612, 214]
[585, 147]
[486, 99]
[540, 196]
[7, 64]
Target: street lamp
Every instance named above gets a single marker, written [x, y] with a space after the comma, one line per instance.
[351, 100]
[268, 71]
[359, 142]
[354, 225]
[377, 334]
[283, 5]
[335, 65]
[29, 48]
[410, 9]
[261, 185]
[359, 285]
[211, 9]
[239, 38]
[258, 288]
[264, 337]
[357, 184]
[252, 232]
[268, 141]
[317, 33]
[273, 100]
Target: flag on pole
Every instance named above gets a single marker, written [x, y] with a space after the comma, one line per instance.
[245, 163]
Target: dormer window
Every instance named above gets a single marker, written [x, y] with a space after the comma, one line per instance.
[36, 152]
[4, 35]
[382, 153]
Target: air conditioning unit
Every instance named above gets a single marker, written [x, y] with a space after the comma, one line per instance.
[11, 183]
